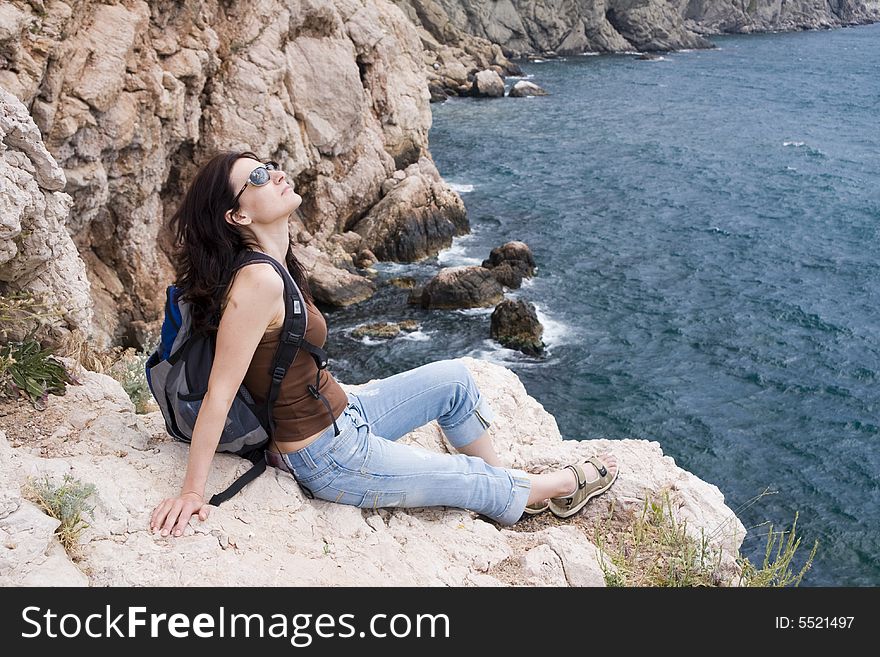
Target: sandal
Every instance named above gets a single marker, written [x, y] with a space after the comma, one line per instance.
[536, 508]
[564, 507]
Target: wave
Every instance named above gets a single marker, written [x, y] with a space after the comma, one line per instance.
[472, 312]
[417, 336]
[461, 188]
[796, 144]
[455, 255]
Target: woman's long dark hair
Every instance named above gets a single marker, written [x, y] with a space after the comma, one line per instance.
[207, 245]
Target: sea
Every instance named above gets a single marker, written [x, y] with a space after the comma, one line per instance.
[705, 227]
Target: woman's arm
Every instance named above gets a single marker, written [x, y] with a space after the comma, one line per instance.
[255, 300]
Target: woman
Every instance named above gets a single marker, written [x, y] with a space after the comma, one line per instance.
[342, 450]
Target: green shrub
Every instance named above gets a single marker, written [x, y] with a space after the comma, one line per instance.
[777, 571]
[129, 371]
[28, 370]
[655, 549]
[67, 504]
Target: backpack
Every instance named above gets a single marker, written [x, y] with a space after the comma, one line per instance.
[178, 371]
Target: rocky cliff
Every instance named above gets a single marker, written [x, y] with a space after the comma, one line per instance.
[131, 96]
[523, 27]
[270, 535]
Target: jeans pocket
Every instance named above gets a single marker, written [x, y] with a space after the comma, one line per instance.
[352, 453]
[377, 499]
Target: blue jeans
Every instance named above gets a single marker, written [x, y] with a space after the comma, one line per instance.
[364, 467]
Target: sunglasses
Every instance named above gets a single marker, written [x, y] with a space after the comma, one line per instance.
[259, 177]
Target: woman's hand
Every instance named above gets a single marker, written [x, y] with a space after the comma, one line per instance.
[173, 513]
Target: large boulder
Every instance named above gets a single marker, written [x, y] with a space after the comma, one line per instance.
[510, 263]
[418, 216]
[515, 325]
[487, 84]
[462, 287]
[270, 534]
[524, 89]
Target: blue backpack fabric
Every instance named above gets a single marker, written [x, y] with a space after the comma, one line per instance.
[178, 372]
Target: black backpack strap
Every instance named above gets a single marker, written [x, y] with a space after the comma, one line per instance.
[259, 460]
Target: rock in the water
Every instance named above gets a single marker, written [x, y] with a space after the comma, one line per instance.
[525, 88]
[385, 330]
[403, 282]
[462, 287]
[510, 263]
[515, 325]
[418, 216]
[488, 84]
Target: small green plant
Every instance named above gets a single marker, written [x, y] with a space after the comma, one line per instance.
[28, 370]
[129, 371]
[777, 572]
[67, 504]
[655, 549]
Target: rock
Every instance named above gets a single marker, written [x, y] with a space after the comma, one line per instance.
[438, 92]
[37, 254]
[515, 325]
[330, 284]
[385, 330]
[364, 259]
[510, 263]
[415, 219]
[461, 287]
[488, 84]
[269, 534]
[522, 27]
[403, 282]
[524, 88]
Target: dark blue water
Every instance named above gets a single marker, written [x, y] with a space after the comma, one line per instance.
[706, 231]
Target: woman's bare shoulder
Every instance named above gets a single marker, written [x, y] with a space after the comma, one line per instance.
[255, 285]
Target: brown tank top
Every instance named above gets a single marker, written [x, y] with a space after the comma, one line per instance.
[297, 413]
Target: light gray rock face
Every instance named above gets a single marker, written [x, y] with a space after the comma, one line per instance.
[37, 254]
[489, 84]
[711, 17]
[131, 96]
[524, 89]
[270, 535]
[525, 27]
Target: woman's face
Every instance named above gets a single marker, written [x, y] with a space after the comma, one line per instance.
[267, 203]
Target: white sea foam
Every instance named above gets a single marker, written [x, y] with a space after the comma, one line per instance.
[461, 188]
[591, 54]
[417, 336]
[471, 312]
[796, 144]
[455, 255]
[371, 341]
[555, 331]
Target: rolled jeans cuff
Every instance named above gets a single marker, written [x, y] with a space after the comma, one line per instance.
[473, 426]
[519, 497]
